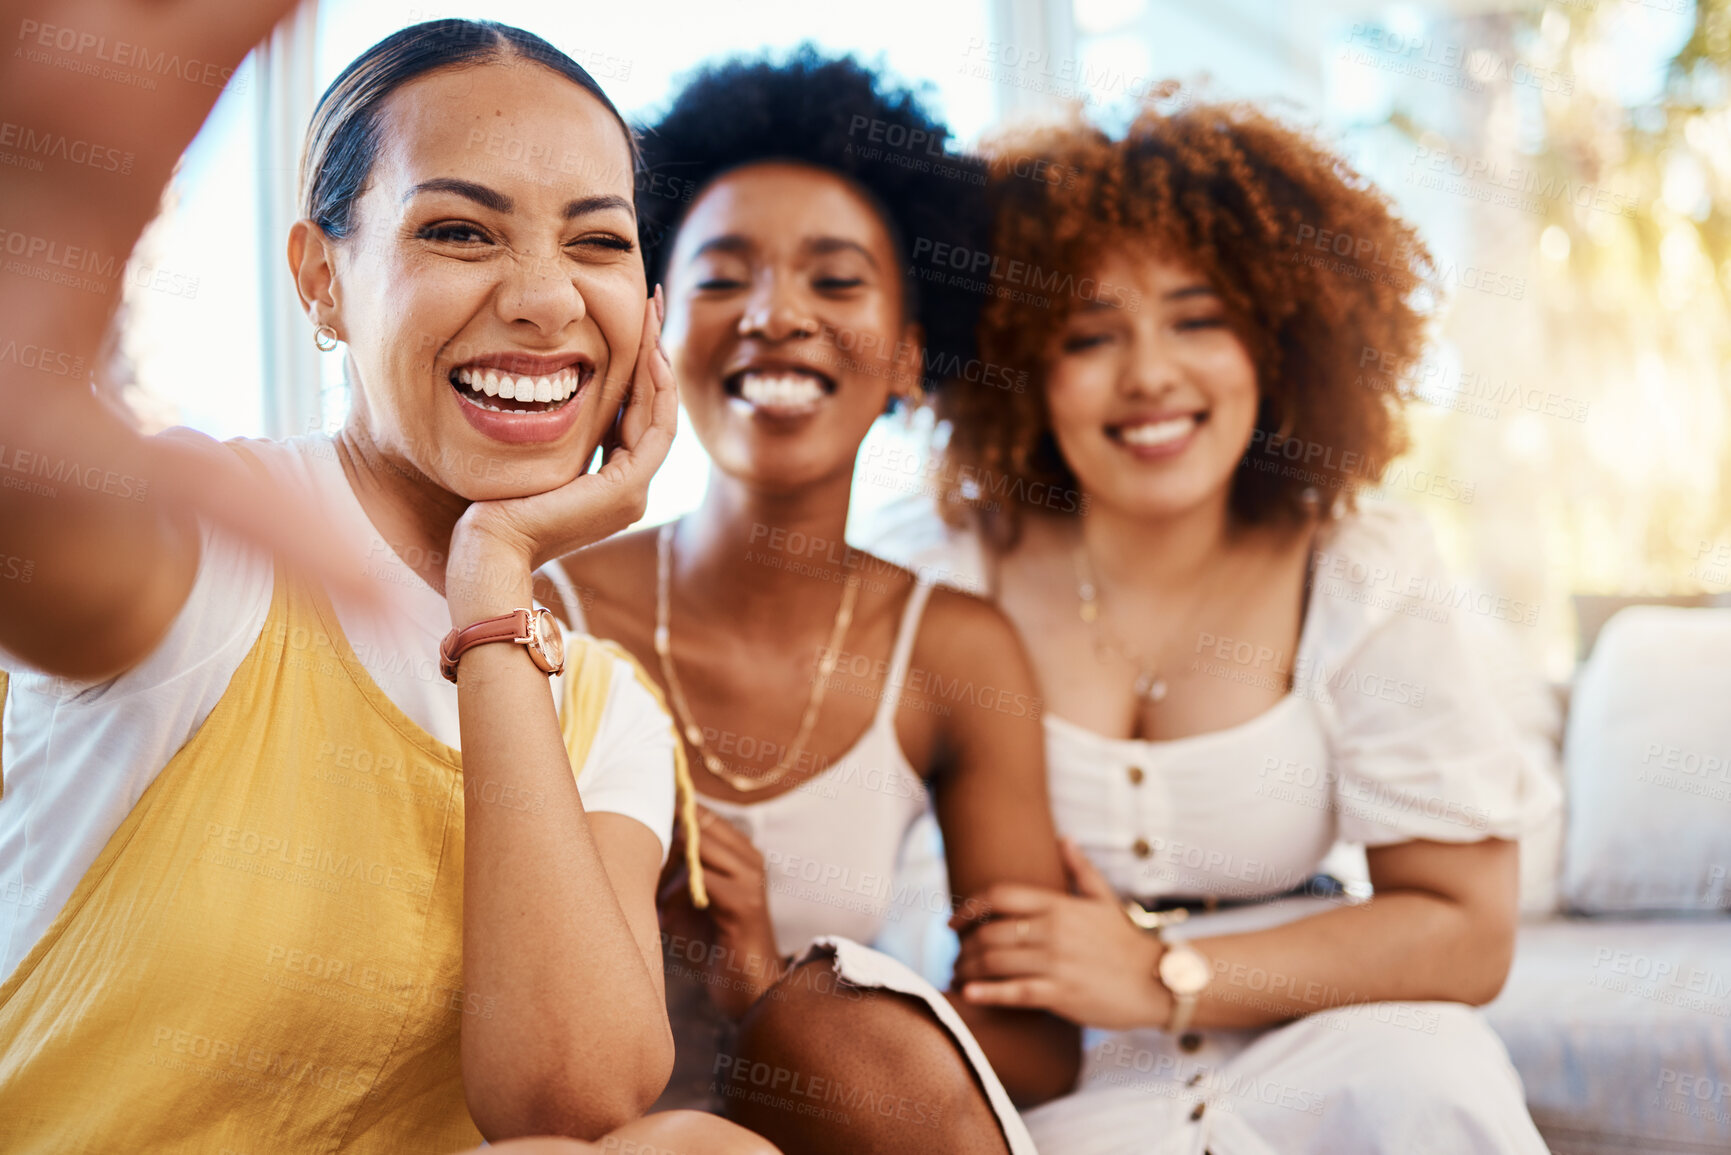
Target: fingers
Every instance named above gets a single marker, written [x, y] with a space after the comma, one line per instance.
[647, 406]
[1040, 993]
[714, 830]
[727, 862]
[1085, 877]
[1002, 900]
[674, 885]
[634, 418]
[1003, 963]
[1029, 931]
[663, 408]
[725, 850]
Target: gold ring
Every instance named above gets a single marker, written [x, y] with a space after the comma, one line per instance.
[1021, 931]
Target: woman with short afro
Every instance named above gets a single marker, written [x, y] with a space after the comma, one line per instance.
[793, 211]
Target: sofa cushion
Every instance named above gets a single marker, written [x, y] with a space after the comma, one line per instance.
[1621, 1032]
[1648, 764]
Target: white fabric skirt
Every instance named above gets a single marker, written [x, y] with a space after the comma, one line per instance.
[1367, 1079]
[1361, 1080]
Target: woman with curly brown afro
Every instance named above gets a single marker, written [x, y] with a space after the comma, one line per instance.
[1241, 650]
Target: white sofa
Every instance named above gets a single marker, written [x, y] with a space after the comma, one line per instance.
[1617, 1012]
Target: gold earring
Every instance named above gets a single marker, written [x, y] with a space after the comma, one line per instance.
[325, 338]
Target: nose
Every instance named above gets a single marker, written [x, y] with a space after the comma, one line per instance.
[774, 311]
[541, 293]
[1151, 370]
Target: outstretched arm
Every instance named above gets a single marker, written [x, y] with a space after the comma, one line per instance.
[88, 489]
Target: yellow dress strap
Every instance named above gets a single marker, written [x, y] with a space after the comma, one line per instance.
[588, 675]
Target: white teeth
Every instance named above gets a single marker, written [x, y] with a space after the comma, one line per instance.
[552, 388]
[1157, 432]
[780, 391]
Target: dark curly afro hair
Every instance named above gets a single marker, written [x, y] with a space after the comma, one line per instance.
[835, 114]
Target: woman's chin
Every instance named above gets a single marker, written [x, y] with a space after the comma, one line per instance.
[1161, 503]
[494, 477]
[766, 470]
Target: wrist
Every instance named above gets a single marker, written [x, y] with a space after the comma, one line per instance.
[1157, 1007]
[486, 576]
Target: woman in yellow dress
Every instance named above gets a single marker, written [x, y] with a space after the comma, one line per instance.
[292, 888]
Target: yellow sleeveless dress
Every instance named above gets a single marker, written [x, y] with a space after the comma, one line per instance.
[267, 954]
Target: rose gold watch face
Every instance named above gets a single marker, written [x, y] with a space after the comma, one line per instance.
[1184, 971]
[551, 640]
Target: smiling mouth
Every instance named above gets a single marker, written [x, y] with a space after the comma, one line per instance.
[780, 392]
[1156, 434]
[500, 392]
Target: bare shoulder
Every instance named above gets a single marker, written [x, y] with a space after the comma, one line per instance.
[963, 633]
[614, 579]
[615, 561]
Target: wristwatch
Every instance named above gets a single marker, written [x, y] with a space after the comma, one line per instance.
[1186, 972]
[534, 630]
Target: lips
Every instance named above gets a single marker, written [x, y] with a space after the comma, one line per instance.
[779, 391]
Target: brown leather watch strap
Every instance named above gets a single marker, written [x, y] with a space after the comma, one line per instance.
[511, 627]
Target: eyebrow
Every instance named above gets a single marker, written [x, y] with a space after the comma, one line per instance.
[736, 243]
[500, 203]
[726, 243]
[1098, 305]
[822, 246]
[479, 193]
[599, 203]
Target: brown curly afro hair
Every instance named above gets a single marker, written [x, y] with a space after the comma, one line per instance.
[1327, 287]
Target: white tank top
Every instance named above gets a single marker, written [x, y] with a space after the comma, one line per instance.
[830, 845]
[830, 848]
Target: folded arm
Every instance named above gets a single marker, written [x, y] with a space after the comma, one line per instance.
[995, 813]
[1440, 928]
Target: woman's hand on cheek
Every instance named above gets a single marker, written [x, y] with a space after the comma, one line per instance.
[520, 533]
[1075, 955]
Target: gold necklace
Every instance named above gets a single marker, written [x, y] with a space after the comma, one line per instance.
[1149, 685]
[676, 693]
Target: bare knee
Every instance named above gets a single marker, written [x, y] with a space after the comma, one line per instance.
[813, 1022]
[683, 1133]
[824, 1065]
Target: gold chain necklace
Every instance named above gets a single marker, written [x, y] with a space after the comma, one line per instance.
[743, 783]
[1149, 686]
